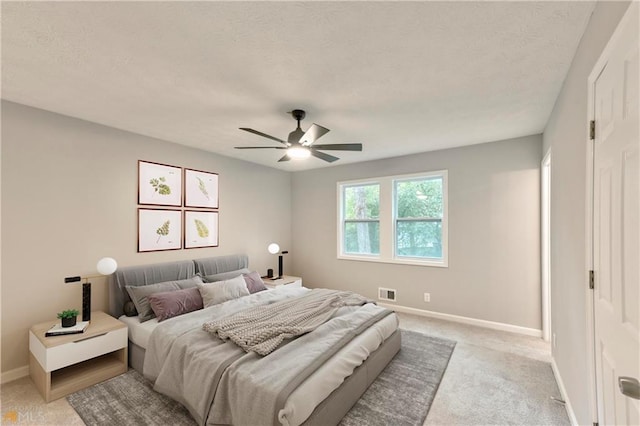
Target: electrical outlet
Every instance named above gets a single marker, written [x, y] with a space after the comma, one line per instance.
[553, 338]
[427, 297]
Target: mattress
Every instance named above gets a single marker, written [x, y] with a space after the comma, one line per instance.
[318, 385]
[139, 332]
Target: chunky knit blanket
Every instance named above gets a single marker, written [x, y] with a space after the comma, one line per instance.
[263, 329]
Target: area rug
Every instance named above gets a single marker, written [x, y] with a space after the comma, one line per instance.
[401, 395]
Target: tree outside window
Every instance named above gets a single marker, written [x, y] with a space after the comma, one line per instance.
[418, 219]
[362, 219]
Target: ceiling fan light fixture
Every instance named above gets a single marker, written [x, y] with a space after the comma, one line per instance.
[298, 152]
[299, 145]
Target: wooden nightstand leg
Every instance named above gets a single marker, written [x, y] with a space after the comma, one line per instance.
[41, 378]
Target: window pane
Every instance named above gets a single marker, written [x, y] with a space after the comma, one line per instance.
[362, 202]
[419, 198]
[419, 239]
[362, 237]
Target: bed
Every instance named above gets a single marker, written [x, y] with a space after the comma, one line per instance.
[321, 397]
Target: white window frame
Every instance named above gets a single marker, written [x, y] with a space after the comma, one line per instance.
[341, 220]
[387, 221]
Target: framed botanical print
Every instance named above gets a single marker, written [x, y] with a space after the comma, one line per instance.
[200, 189]
[159, 229]
[159, 184]
[200, 229]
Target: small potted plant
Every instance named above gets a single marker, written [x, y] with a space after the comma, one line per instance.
[68, 317]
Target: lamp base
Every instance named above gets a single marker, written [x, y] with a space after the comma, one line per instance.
[86, 302]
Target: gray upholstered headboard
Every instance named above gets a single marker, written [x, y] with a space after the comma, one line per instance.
[216, 265]
[168, 271]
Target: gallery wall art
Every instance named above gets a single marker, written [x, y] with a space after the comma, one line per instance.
[159, 184]
[200, 189]
[159, 229]
[176, 188]
[201, 229]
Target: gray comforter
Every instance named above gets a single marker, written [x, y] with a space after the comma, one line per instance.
[264, 328]
[221, 384]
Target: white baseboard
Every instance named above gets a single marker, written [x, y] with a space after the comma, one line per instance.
[15, 374]
[465, 320]
[563, 392]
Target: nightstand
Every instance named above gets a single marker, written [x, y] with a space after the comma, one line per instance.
[287, 280]
[60, 365]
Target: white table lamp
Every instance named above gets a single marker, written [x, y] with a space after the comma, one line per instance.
[105, 266]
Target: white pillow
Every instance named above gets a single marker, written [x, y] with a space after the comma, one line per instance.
[221, 291]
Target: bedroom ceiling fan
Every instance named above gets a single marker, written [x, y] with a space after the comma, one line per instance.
[300, 144]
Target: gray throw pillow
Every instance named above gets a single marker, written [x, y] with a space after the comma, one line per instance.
[140, 294]
[223, 276]
[222, 291]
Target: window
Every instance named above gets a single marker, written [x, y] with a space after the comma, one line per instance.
[361, 228]
[418, 217]
[395, 219]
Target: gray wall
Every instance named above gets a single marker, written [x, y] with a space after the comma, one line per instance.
[566, 136]
[494, 227]
[69, 197]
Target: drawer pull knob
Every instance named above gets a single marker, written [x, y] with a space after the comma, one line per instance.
[91, 337]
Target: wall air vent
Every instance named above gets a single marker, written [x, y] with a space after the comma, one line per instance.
[387, 294]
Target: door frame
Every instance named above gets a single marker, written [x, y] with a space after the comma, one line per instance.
[633, 11]
[545, 252]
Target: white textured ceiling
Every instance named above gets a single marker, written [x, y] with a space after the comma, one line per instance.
[399, 77]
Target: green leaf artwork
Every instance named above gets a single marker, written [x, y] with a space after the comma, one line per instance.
[160, 186]
[163, 231]
[202, 188]
[202, 229]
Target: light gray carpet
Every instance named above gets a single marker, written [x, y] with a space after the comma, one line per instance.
[401, 395]
[128, 400]
[490, 387]
[403, 392]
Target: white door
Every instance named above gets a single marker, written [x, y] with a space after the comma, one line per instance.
[616, 234]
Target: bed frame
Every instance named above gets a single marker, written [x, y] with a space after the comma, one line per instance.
[330, 411]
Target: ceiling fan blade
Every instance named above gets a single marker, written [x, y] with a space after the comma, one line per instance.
[285, 158]
[312, 134]
[323, 156]
[260, 147]
[341, 147]
[264, 135]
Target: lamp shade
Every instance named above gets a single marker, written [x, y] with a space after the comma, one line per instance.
[107, 266]
[273, 248]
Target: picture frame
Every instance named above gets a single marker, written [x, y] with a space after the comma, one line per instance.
[200, 229]
[200, 189]
[159, 229]
[159, 184]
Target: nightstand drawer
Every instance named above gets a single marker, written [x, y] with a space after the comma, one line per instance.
[82, 349]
